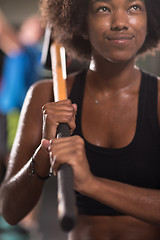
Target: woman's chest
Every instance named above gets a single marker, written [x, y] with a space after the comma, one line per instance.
[110, 124]
[121, 145]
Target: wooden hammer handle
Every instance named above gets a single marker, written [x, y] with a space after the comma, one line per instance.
[66, 195]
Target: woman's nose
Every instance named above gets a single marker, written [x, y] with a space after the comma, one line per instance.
[119, 21]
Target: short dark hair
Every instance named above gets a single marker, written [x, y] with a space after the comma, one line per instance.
[68, 18]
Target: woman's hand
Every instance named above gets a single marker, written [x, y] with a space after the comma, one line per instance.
[71, 150]
[55, 113]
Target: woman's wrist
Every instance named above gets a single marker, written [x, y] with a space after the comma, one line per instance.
[40, 164]
[33, 172]
[88, 186]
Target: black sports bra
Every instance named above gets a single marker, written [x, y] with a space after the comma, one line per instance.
[138, 163]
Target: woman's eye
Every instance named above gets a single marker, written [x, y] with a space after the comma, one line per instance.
[102, 9]
[135, 8]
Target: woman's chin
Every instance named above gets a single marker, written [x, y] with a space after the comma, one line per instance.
[120, 59]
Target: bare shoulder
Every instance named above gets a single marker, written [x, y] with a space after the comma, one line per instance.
[38, 95]
[42, 90]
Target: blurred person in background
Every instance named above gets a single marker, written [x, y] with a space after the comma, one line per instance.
[20, 68]
[8, 43]
[21, 65]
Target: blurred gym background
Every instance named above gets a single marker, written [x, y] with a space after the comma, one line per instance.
[16, 11]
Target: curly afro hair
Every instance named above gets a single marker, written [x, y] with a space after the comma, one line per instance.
[69, 21]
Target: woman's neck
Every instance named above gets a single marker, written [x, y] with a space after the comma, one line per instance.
[109, 75]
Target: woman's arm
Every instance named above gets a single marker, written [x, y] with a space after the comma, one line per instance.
[141, 203]
[20, 191]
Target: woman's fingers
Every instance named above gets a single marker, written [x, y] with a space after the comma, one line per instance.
[70, 150]
[55, 113]
[45, 143]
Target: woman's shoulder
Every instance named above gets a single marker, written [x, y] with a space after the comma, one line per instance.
[39, 94]
[43, 89]
[40, 84]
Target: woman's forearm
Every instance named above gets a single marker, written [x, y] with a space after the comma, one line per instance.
[141, 203]
[15, 208]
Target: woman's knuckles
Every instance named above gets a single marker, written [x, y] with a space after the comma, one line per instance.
[73, 157]
[68, 117]
[78, 141]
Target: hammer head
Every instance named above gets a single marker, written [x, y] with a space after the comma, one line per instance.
[46, 57]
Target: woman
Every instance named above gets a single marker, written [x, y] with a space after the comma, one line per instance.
[115, 158]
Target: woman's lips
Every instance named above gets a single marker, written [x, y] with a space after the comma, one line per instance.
[120, 40]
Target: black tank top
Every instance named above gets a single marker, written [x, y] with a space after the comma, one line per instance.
[138, 163]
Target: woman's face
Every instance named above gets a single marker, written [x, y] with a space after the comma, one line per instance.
[117, 28]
